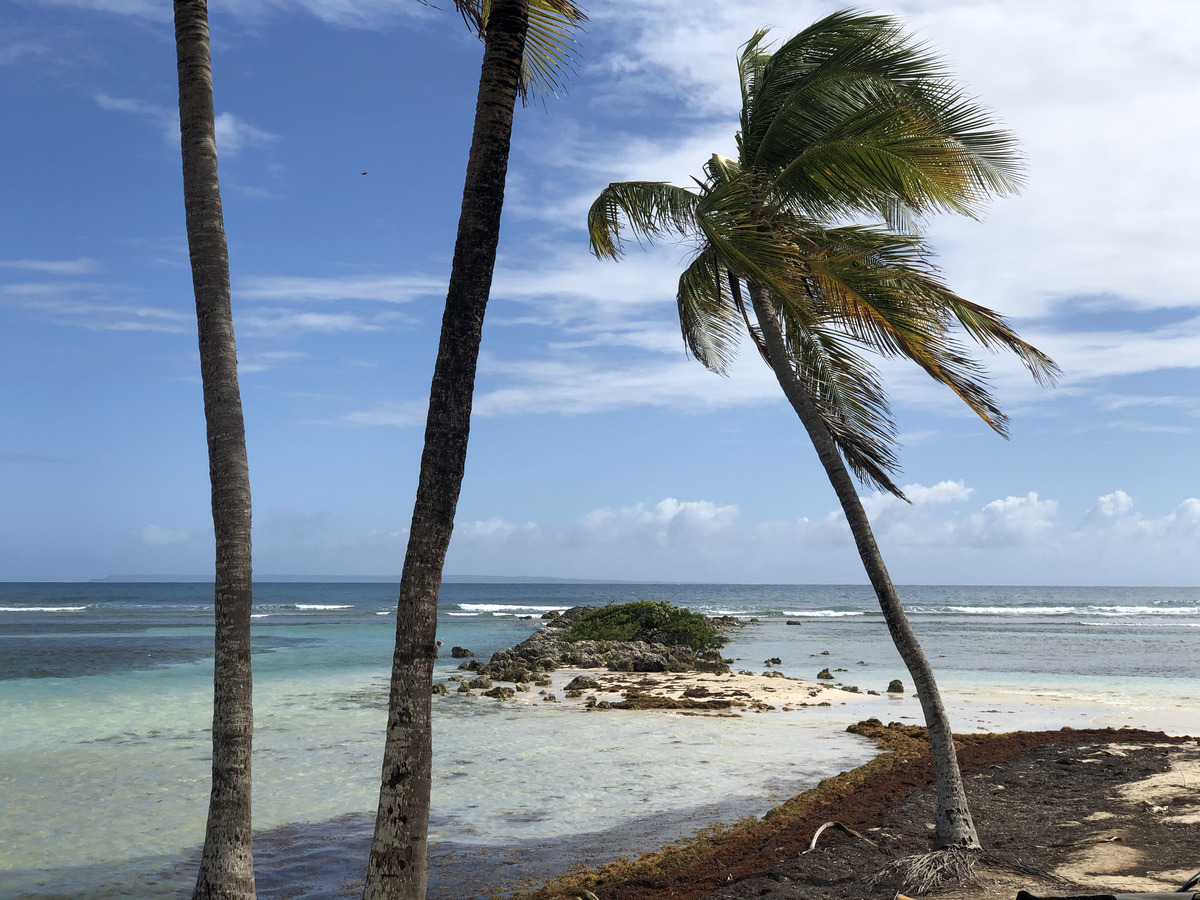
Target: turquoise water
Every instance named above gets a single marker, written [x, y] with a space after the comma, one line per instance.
[105, 693]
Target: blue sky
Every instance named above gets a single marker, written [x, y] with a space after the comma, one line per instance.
[598, 450]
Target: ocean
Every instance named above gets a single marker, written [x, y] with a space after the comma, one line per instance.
[105, 701]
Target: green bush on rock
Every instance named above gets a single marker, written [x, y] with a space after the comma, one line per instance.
[646, 620]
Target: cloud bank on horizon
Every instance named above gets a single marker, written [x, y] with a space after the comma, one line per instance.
[342, 156]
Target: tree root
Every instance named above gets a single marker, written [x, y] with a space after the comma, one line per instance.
[925, 872]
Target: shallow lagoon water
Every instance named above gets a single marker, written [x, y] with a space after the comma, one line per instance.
[104, 711]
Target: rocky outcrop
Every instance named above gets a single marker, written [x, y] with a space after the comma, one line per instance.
[543, 652]
[583, 682]
[461, 653]
[895, 686]
[825, 675]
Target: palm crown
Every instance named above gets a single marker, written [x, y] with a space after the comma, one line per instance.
[849, 118]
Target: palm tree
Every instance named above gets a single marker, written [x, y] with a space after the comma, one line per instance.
[226, 865]
[847, 118]
[397, 866]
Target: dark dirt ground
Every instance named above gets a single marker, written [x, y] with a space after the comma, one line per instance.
[1058, 813]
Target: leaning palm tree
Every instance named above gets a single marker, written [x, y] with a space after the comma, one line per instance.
[226, 864]
[511, 66]
[848, 118]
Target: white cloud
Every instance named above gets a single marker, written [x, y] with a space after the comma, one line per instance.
[942, 492]
[384, 288]
[251, 363]
[347, 13]
[396, 414]
[1010, 522]
[79, 266]
[1118, 503]
[580, 387]
[235, 134]
[285, 323]
[668, 522]
[154, 536]
[97, 315]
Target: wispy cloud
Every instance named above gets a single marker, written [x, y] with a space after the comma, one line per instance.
[154, 536]
[400, 415]
[61, 303]
[347, 13]
[34, 458]
[79, 266]
[383, 288]
[16, 51]
[288, 323]
[252, 363]
[233, 133]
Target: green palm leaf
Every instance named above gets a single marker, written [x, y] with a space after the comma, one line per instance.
[548, 44]
[650, 209]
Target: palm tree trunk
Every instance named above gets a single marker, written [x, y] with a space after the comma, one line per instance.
[226, 865]
[397, 866]
[954, 826]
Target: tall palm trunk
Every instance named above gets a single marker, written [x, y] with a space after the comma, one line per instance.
[226, 866]
[397, 867]
[953, 827]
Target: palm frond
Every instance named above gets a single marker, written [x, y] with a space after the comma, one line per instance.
[848, 394]
[649, 209]
[753, 58]
[549, 43]
[881, 290]
[853, 115]
[991, 330]
[708, 314]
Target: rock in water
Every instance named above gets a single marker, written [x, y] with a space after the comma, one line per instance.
[825, 675]
[461, 652]
[895, 686]
[582, 683]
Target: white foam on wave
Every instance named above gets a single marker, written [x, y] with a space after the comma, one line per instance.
[259, 615]
[1105, 611]
[824, 613]
[41, 608]
[507, 607]
[1140, 611]
[388, 612]
[323, 606]
[996, 610]
[1140, 624]
[471, 615]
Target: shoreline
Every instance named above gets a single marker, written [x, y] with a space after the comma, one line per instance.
[731, 853]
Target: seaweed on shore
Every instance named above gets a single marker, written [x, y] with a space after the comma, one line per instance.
[699, 866]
